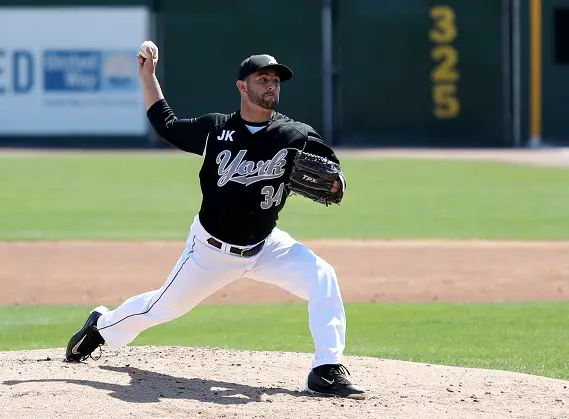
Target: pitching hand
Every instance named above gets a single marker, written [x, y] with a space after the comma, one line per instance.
[147, 66]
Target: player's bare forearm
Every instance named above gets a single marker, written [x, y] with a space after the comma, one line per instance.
[151, 89]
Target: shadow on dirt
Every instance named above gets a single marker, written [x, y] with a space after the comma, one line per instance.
[149, 387]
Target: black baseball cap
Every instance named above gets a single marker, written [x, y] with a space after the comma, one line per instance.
[263, 61]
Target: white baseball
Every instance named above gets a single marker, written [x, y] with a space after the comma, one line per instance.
[152, 46]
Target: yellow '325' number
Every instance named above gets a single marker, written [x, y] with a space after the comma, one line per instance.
[445, 74]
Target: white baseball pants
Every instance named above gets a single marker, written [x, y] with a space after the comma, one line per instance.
[203, 269]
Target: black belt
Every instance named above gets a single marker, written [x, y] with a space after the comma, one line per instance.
[246, 253]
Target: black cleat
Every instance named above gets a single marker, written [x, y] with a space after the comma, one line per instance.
[85, 341]
[331, 380]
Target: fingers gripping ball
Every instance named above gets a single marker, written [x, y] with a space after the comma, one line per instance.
[313, 176]
[144, 47]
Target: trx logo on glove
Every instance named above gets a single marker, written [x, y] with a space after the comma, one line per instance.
[308, 178]
[313, 177]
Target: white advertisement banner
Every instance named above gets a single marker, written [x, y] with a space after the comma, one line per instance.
[71, 71]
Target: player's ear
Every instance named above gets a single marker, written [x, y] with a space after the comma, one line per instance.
[241, 86]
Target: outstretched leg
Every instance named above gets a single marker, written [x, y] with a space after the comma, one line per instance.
[188, 284]
[200, 271]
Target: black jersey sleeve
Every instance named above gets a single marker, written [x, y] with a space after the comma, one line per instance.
[316, 145]
[188, 135]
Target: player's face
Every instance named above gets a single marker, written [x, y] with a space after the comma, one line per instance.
[263, 89]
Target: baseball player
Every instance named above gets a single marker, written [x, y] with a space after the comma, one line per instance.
[251, 164]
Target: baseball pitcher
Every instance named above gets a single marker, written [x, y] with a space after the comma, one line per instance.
[253, 160]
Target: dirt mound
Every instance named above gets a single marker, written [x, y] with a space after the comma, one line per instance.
[217, 383]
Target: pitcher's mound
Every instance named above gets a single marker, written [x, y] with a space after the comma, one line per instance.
[177, 382]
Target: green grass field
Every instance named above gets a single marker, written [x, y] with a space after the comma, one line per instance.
[149, 197]
[140, 197]
[530, 338]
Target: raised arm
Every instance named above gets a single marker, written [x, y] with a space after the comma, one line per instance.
[188, 135]
[147, 73]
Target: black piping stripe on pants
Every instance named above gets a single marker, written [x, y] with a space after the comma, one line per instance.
[163, 292]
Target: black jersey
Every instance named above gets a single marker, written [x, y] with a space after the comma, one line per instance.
[244, 175]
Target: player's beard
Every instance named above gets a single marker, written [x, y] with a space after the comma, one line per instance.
[262, 100]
